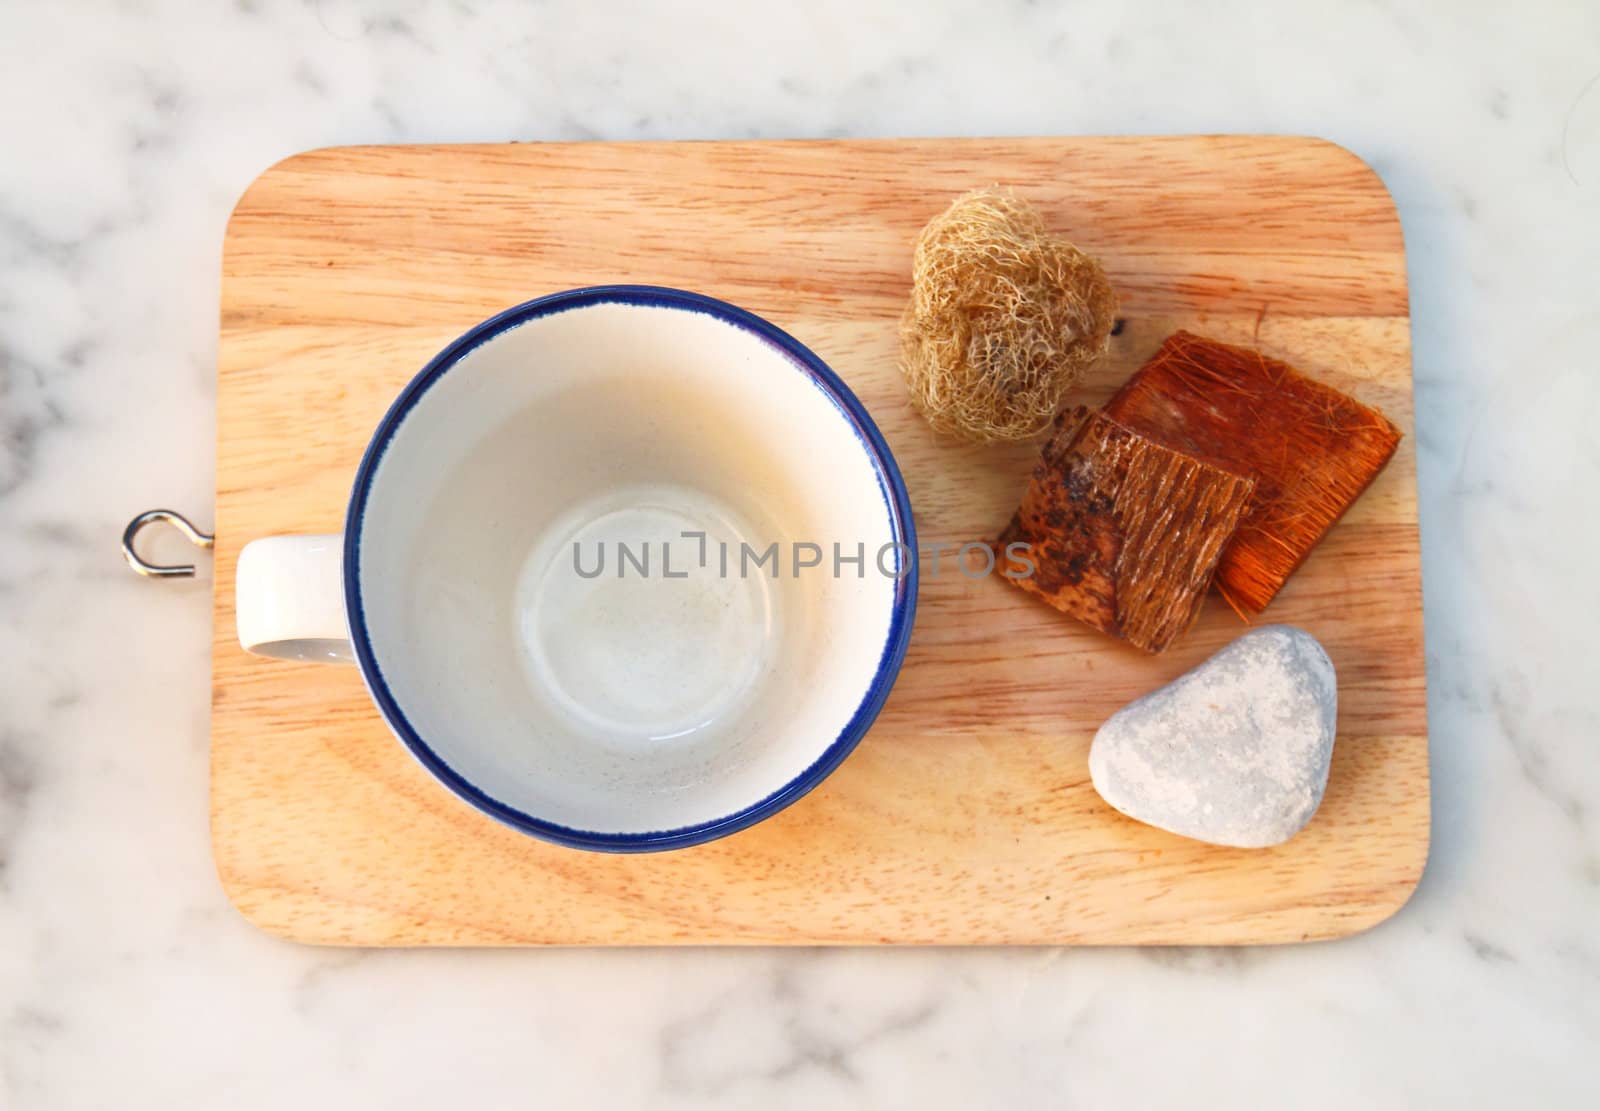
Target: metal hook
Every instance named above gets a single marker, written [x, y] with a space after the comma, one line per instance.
[181, 523]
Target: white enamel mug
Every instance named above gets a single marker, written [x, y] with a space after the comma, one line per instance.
[626, 568]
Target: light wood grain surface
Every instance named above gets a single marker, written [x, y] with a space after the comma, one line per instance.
[966, 815]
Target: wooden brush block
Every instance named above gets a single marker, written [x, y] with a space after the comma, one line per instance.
[1124, 533]
[1312, 449]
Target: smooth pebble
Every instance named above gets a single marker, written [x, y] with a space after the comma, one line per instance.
[1234, 752]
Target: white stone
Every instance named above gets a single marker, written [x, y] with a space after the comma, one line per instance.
[1234, 752]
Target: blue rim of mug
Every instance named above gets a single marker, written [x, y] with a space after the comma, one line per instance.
[890, 483]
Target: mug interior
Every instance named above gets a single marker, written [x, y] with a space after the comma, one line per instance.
[631, 568]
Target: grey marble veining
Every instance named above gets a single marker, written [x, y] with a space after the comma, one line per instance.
[127, 981]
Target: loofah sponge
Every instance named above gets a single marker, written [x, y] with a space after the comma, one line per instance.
[1004, 319]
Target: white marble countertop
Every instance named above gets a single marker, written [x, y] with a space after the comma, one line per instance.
[125, 978]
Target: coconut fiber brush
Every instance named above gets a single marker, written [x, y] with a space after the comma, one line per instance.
[1311, 449]
[1122, 533]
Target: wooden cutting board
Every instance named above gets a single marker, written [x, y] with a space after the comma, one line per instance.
[966, 816]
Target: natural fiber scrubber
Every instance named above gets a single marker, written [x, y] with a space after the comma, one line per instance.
[1121, 532]
[1004, 319]
[1312, 449]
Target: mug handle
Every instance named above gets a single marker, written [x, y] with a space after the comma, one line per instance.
[289, 598]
